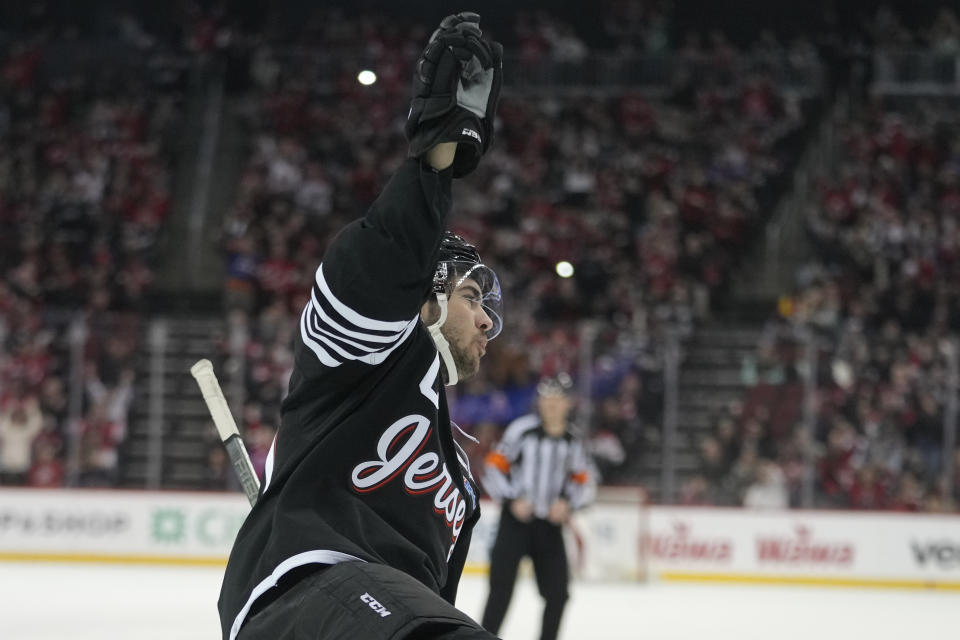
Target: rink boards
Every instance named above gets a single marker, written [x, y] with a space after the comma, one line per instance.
[618, 538]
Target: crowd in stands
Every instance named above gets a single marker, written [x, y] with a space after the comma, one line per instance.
[882, 306]
[651, 197]
[84, 191]
[941, 34]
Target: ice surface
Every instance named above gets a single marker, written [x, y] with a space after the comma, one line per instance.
[103, 602]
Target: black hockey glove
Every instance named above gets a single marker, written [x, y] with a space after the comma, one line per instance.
[455, 91]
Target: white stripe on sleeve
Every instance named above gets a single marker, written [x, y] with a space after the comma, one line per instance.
[354, 336]
[352, 316]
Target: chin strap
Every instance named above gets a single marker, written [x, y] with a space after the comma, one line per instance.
[443, 347]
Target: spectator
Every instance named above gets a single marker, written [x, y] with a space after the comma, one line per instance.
[260, 441]
[20, 423]
[696, 491]
[47, 470]
[869, 491]
[219, 474]
[769, 488]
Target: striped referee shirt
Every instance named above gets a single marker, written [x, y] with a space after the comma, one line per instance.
[528, 463]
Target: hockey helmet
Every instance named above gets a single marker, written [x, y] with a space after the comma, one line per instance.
[459, 260]
[560, 384]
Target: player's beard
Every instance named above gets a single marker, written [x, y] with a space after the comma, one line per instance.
[464, 353]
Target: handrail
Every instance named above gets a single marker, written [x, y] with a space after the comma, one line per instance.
[916, 72]
[601, 70]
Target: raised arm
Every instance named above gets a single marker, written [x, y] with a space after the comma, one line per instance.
[377, 272]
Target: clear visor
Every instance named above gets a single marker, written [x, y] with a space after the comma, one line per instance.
[491, 298]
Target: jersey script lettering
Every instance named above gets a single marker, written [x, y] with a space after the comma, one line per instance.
[399, 450]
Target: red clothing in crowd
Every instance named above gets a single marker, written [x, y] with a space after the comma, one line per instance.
[46, 474]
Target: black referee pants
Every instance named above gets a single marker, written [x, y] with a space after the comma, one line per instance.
[543, 542]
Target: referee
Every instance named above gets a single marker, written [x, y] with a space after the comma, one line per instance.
[539, 472]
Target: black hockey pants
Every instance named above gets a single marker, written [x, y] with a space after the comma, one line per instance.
[360, 600]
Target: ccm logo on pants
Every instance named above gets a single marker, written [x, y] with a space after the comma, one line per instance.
[373, 604]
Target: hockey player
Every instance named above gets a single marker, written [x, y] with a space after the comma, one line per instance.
[363, 521]
[539, 472]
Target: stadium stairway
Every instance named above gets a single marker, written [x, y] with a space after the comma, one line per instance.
[170, 450]
[709, 380]
[209, 165]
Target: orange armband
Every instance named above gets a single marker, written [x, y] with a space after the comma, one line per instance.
[498, 460]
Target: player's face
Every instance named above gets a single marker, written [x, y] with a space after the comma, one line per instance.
[465, 328]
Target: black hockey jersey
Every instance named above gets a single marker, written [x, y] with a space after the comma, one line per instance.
[364, 465]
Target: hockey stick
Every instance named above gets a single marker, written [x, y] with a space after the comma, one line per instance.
[220, 412]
